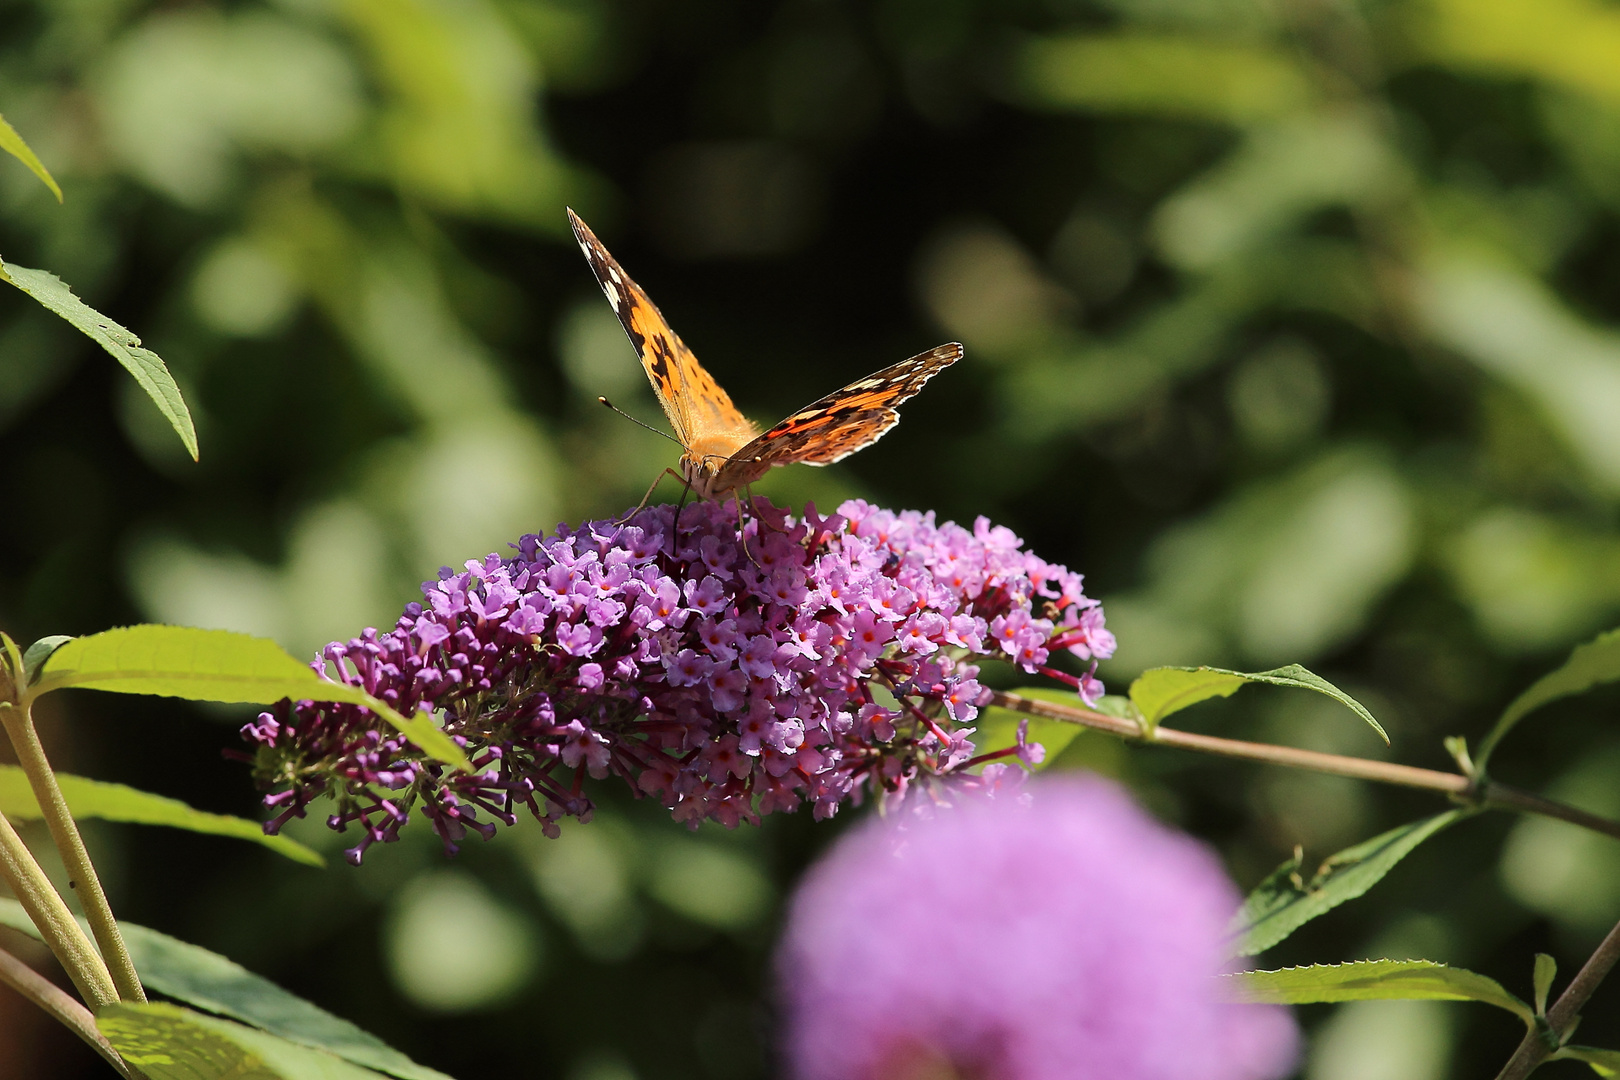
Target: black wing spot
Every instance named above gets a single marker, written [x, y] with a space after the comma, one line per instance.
[658, 359]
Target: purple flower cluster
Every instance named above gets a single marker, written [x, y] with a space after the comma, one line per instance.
[1057, 934]
[730, 673]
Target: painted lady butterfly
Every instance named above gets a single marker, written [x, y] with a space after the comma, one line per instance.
[724, 450]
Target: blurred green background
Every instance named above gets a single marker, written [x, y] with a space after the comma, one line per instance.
[1291, 323]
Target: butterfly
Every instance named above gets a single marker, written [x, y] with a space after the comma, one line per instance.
[723, 449]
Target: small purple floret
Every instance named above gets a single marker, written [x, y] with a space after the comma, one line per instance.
[808, 660]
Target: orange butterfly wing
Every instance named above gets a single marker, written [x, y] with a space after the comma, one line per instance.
[698, 409]
[841, 423]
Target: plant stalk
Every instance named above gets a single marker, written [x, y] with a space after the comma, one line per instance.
[1534, 1048]
[61, 931]
[1456, 785]
[1504, 797]
[61, 1005]
[82, 877]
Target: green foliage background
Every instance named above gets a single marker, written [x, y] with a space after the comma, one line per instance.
[1292, 323]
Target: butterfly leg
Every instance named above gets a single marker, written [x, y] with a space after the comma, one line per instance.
[742, 535]
[642, 504]
[742, 528]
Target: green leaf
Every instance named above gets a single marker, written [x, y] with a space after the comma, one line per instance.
[1545, 971]
[1591, 664]
[1374, 980]
[1457, 747]
[182, 661]
[1603, 1062]
[205, 980]
[998, 728]
[40, 651]
[12, 143]
[167, 1042]
[147, 367]
[217, 665]
[208, 981]
[162, 1042]
[1158, 692]
[1284, 901]
[114, 802]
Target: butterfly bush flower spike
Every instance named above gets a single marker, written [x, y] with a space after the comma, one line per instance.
[1082, 943]
[728, 675]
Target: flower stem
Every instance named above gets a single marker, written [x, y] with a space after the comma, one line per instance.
[1509, 798]
[59, 1004]
[56, 923]
[82, 878]
[1536, 1047]
[1456, 785]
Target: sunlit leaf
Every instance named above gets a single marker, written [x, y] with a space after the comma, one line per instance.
[208, 981]
[1164, 75]
[182, 661]
[163, 1042]
[216, 665]
[1285, 900]
[147, 367]
[114, 802]
[1592, 664]
[167, 1042]
[1158, 692]
[1373, 980]
[12, 143]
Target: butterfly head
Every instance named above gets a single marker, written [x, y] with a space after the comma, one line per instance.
[700, 472]
[709, 477]
[711, 467]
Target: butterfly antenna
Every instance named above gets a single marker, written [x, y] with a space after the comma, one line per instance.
[638, 423]
[742, 528]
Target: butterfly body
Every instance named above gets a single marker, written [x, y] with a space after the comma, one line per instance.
[722, 449]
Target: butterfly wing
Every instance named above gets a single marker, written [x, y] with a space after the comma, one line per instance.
[693, 401]
[841, 423]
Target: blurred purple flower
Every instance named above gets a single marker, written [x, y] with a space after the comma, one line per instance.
[1059, 935]
[728, 679]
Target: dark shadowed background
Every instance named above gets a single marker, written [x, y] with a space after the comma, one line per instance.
[1291, 323]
